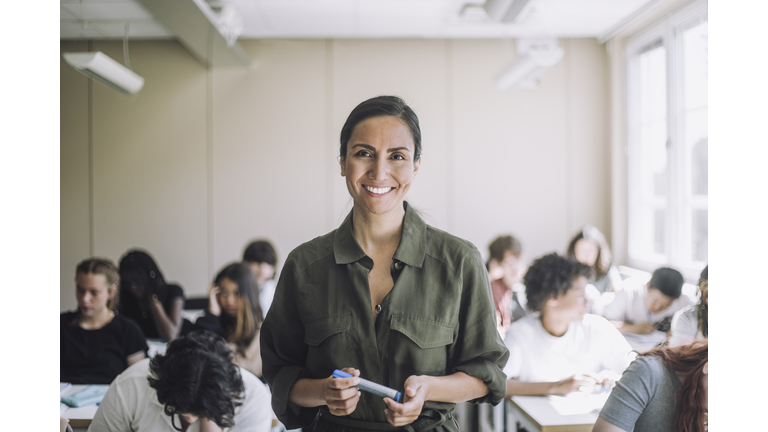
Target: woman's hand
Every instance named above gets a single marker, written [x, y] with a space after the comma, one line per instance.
[576, 383]
[213, 300]
[401, 414]
[341, 395]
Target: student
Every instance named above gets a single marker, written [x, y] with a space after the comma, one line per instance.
[234, 313]
[146, 298]
[506, 269]
[260, 255]
[665, 389]
[590, 247]
[194, 382]
[691, 323]
[96, 343]
[646, 308]
[560, 348]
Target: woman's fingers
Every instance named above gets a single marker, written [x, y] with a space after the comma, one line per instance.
[341, 395]
[401, 414]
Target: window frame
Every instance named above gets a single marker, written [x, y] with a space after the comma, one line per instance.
[678, 236]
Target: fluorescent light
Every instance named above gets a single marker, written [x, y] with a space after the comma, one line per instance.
[102, 69]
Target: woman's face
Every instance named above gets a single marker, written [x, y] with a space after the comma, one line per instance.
[130, 282]
[573, 304]
[262, 271]
[586, 251]
[379, 165]
[92, 293]
[229, 296]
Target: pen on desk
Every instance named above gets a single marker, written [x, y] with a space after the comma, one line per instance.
[371, 387]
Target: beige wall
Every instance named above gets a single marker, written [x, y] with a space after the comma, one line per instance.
[201, 161]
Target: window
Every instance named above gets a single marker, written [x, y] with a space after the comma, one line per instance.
[667, 143]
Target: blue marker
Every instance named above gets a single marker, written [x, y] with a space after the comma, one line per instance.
[371, 387]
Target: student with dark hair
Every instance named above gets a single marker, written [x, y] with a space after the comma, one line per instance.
[97, 343]
[692, 323]
[645, 308]
[505, 267]
[260, 255]
[384, 297]
[665, 389]
[234, 313]
[146, 298]
[589, 247]
[560, 348]
[195, 381]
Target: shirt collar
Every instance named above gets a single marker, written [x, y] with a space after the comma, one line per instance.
[410, 251]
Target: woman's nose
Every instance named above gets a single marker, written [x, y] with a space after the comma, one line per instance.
[379, 169]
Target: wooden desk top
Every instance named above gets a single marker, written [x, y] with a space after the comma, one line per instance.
[572, 413]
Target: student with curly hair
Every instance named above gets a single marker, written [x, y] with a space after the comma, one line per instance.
[692, 323]
[665, 389]
[195, 381]
[560, 348]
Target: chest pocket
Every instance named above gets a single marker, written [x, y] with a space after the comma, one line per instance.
[320, 329]
[423, 344]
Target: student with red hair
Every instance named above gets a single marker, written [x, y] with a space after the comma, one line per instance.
[665, 389]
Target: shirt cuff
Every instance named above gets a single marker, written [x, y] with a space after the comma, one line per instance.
[488, 372]
[291, 415]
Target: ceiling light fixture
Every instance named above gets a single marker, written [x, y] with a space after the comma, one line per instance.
[535, 56]
[102, 69]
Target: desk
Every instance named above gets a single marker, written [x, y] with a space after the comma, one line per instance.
[573, 413]
[78, 417]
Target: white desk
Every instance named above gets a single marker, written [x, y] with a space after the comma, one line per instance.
[78, 417]
[573, 413]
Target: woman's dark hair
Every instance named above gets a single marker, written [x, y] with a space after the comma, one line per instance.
[241, 329]
[689, 398]
[139, 266]
[260, 251]
[703, 306]
[503, 244]
[551, 276]
[604, 258]
[197, 376]
[382, 106]
[667, 280]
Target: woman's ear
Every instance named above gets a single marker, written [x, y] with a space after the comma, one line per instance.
[416, 166]
[342, 162]
[111, 291]
[552, 302]
[705, 369]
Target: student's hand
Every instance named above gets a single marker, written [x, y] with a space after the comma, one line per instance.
[640, 328]
[578, 382]
[608, 378]
[341, 395]
[401, 414]
[213, 302]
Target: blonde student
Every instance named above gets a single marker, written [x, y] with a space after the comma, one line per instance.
[97, 343]
[559, 348]
[234, 312]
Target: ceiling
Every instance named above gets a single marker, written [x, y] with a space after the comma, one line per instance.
[107, 19]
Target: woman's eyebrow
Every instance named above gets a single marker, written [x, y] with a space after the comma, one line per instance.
[398, 149]
[365, 146]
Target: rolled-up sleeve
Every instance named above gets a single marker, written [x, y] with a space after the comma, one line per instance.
[479, 350]
[283, 350]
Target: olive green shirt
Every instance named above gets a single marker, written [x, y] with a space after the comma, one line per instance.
[438, 319]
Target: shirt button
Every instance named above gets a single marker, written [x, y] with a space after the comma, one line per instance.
[398, 265]
[378, 309]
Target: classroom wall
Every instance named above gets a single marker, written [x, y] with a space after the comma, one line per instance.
[201, 161]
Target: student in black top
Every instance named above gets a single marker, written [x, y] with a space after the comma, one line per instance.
[96, 343]
[146, 298]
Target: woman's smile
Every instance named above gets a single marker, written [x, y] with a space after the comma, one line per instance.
[378, 190]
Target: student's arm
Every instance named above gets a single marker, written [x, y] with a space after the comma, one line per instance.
[640, 328]
[135, 357]
[168, 325]
[568, 385]
[603, 425]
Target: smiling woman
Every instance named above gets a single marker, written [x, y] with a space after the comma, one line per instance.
[384, 296]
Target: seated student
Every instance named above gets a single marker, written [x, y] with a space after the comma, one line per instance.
[260, 255]
[590, 247]
[691, 323]
[665, 389]
[644, 309]
[146, 298]
[234, 313]
[96, 344]
[506, 269]
[194, 382]
[560, 348]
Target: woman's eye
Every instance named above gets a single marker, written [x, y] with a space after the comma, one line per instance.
[398, 157]
[363, 153]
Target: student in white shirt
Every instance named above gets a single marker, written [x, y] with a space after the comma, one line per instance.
[646, 308]
[692, 323]
[560, 348]
[195, 386]
[261, 256]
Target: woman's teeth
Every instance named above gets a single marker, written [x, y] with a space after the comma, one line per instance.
[378, 190]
